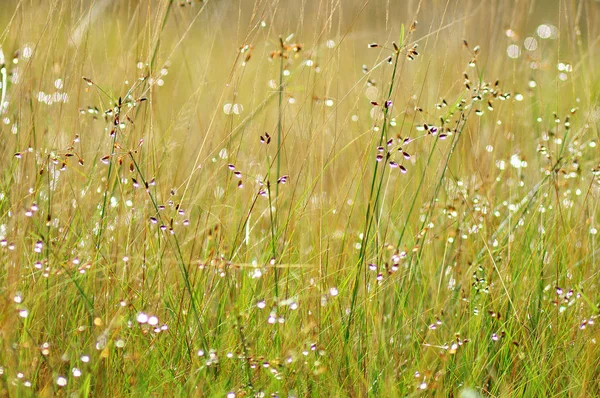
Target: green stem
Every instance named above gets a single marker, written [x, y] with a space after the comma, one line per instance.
[371, 207]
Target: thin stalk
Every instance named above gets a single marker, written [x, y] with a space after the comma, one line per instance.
[273, 239]
[103, 210]
[371, 205]
[279, 116]
[179, 256]
[278, 156]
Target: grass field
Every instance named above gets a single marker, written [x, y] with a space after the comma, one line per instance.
[306, 198]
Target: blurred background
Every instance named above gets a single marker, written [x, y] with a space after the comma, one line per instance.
[211, 73]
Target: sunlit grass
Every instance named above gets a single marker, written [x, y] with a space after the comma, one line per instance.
[348, 198]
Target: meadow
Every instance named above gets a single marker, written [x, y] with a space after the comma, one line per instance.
[312, 198]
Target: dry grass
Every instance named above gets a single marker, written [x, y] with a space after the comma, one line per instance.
[312, 198]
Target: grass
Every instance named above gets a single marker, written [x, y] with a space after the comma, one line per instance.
[316, 198]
